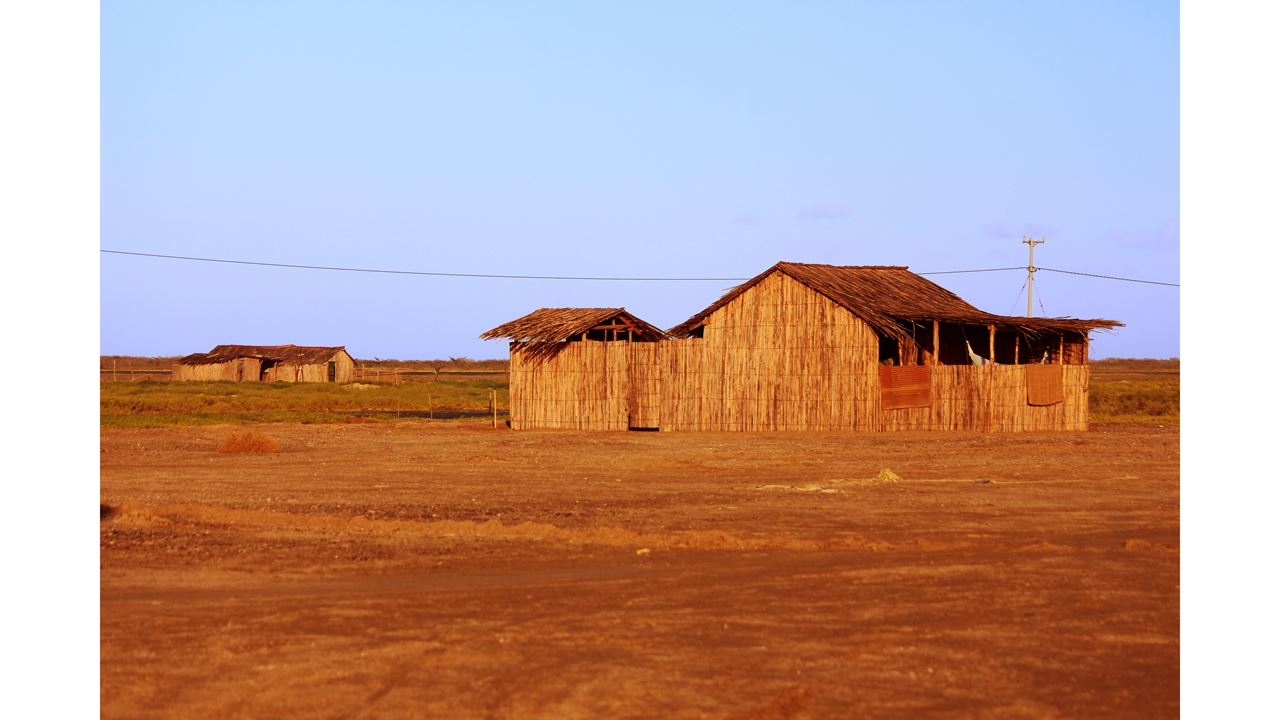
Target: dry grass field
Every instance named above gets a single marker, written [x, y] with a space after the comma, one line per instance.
[446, 569]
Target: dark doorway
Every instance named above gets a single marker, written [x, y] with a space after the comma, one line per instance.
[333, 371]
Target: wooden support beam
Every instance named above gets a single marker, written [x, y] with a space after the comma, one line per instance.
[991, 336]
[1017, 343]
[1062, 343]
[935, 342]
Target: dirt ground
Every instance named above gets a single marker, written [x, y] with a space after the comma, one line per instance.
[451, 570]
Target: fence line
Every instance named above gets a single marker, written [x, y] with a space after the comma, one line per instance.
[361, 374]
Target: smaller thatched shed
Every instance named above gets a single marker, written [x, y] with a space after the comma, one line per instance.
[268, 363]
[582, 368]
[545, 329]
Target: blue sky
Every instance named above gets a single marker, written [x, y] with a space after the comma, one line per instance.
[659, 139]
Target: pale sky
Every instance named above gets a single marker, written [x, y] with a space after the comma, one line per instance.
[662, 139]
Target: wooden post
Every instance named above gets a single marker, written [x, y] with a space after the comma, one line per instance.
[1062, 360]
[1031, 267]
[113, 370]
[935, 342]
[1017, 343]
[991, 376]
[493, 403]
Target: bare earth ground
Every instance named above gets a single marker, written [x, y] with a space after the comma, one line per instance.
[451, 570]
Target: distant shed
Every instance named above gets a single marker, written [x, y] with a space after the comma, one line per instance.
[268, 363]
[805, 347]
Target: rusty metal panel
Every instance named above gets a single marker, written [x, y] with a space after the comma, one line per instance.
[1044, 384]
[904, 387]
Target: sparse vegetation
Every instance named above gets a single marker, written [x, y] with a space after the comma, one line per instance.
[249, 442]
[166, 404]
[1134, 391]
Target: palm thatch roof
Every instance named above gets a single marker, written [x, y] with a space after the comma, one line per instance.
[293, 354]
[890, 298]
[553, 325]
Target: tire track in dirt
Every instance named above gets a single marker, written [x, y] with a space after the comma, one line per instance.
[269, 522]
[131, 516]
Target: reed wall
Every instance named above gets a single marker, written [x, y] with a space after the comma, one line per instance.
[239, 370]
[777, 357]
[250, 370]
[582, 387]
[344, 371]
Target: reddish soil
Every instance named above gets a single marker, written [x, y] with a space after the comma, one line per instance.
[434, 570]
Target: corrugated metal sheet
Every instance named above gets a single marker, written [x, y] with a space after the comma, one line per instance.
[904, 387]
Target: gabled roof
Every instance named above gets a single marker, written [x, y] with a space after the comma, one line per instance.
[887, 296]
[552, 325]
[294, 354]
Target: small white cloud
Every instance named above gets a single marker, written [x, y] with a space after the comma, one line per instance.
[1002, 231]
[824, 212]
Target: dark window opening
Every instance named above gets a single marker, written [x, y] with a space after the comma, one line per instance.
[954, 348]
[333, 371]
[1006, 347]
[1073, 349]
[888, 350]
[620, 333]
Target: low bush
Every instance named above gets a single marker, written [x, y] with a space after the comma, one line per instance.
[248, 442]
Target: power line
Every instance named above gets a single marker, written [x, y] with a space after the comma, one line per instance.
[405, 272]
[953, 272]
[338, 268]
[1109, 277]
[477, 275]
[1015, 300]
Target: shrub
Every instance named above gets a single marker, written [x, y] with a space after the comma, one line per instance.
[248, 442]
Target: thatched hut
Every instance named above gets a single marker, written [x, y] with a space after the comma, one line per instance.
[268, 363]
[813, 347]
[585, 368]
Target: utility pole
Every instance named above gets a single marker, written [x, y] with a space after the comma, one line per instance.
[1031, 266]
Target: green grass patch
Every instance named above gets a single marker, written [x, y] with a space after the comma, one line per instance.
[164, 404]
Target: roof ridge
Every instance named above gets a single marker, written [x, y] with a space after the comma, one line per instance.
[885, 302]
